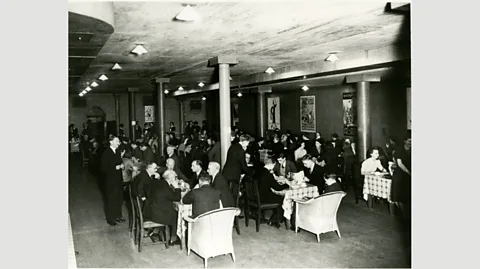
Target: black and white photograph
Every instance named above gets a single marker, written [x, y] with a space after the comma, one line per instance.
[178, 156]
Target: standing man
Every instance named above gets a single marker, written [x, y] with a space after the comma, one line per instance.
[219, 183]
[112, 165]
[236, 163]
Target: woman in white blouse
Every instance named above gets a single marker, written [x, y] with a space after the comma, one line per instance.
[301, 151]
[372, 164]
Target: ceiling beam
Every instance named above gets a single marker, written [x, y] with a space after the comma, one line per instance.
[349, 62]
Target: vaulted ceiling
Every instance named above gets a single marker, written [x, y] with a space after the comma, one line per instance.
[281, 35]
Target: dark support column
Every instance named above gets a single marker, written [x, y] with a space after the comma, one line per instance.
[224, 63]
[261, 103]
[117, 112]
[131, 110]
[363, 112]
[181, 105]
[161, 113]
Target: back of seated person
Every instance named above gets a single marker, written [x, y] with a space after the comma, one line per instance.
[204, 198]
[331, 183]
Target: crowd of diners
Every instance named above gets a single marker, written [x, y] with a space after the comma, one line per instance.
[189, 168]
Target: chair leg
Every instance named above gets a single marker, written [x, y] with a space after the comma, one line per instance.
[246, 213]
[233, 256]
[338, 233]
[206, 262]
[318, 238]
[140, 239]
[237, 226]
[167, 236]
[257, 222]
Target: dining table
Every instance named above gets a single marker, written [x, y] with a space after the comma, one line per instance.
[378, 185]
[295, 192]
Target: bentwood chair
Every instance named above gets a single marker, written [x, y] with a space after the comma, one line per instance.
[142, 225]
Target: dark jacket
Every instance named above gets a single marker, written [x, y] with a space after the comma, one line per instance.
[219, 183]
[266, 182]
[316, 177]
[289, 167]
[236, 163]
[141, 184]
[203, 199]
[113, 177]
[159, 207]
[214, 153]
[334, 187]
[137, 153]
[194, 181]
[147, 155]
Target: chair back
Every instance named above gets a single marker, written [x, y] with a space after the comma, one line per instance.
[251, 189]
[326, 205]
[235, 189]
[138, 210]
[213, 226]
[132, 201]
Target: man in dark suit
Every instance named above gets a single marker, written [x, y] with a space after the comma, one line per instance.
[283, 166]
[142, 183]
[204, 198]
[219, 183]
[236, 164]
[159, 208]
[171, 165]
[172, 155]
[147, 153]
[314, 172]
[197, 171]
[111, 166]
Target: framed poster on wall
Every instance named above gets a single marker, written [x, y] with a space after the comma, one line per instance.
[349, 114]
[307, 114]
[273, 105]
[149, 114]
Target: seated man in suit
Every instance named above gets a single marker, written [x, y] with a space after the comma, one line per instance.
[204, 198]
[313, 172]
[141, 183]
[331, 183]
[136, 152]
[197, 170]
[220, 183]
[172, 155]
[147, 153]
[283, 166]
[159, 208]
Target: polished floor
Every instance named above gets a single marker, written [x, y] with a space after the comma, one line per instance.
[370, 238]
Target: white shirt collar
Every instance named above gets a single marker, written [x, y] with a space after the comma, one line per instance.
[114, 151]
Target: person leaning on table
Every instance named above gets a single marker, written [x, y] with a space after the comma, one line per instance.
[372, 164]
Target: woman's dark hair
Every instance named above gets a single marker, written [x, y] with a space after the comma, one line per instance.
[370, 151]
[281, 155]
[334, 135]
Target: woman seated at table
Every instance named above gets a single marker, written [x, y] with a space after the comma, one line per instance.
[372, 165]
[266, 182]
[160, 209]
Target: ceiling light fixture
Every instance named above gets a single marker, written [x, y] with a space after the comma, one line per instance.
[88, 89]
[94, 84]
[116, 66]
[201, 84]
[80, 94]
[166, 91]
[180, 88]
[332, 58]
[139, 50]
[84, 92]
[204, 98]
[269, 70]
[305, 88]
[239, 94]
[187, 14]
[103, 78]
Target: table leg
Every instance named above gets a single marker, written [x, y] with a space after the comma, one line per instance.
[370, 201]
[391, 207]
[182, 243]
[287, 223]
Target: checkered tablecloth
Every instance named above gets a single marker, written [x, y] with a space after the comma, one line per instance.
[291, 194]
[183, 210]
[377, 186]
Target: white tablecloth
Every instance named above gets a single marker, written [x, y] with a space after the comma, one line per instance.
[377, 186]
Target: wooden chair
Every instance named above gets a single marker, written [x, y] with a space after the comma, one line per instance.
[319, 215]
[210, 234]
[235, 189]
[85, 158]
[253, 202]
[142, 225]
[132, 224]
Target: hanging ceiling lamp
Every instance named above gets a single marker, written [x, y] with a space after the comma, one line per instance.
[269, 70]
[139, 50]
[305, 88]
[94, 84]
[187, 14]
[103, 77]
[332, 57]
[116, 66]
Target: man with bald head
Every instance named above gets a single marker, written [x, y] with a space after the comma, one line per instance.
[171, 165]
[219, 183]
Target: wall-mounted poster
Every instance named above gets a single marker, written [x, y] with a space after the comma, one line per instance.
[273, 105]
[307, 114]
[349, 114]
[149, 114]
[409, 108]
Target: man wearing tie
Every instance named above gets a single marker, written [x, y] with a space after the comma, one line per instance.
[111, 166]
